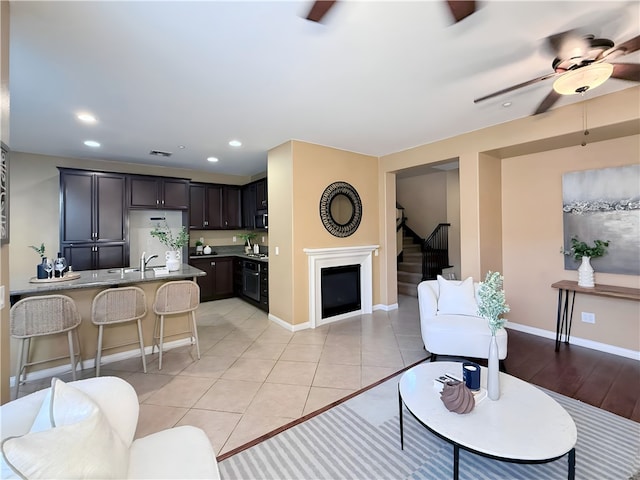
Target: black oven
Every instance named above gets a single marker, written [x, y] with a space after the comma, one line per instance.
[251, 280]
[262, 220]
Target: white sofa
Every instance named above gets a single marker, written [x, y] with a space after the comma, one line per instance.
[95, 422]
[451, 326]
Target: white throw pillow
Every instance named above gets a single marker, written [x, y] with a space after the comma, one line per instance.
[81, 443]
[457, 298]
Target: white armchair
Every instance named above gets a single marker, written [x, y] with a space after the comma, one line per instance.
[449, 323]
[95, 422]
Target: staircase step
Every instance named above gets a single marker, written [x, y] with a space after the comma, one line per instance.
[409, 277]
[410, 267]
[413, 256]
[407, 289]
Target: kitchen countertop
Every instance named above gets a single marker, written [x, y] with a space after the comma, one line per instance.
[106, 278]
[234, 254]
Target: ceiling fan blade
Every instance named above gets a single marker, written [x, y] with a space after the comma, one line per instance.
[461, 9]
[515, 87]
[626, 71]
[548, 102]
[630, 46]
[319, 9]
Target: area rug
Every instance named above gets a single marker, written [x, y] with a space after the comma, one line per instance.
[359, 439]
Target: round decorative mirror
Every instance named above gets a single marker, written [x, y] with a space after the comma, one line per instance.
[340, 209]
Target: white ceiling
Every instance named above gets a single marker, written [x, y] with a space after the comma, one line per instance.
[374, 78]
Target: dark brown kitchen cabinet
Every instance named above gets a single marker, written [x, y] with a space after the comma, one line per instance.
[254, 203]
[218, 281]
[93, 215]
[231, 213]
[158, 192]
[95, 257]
[261, 194]
[214, 207]
[248, 206]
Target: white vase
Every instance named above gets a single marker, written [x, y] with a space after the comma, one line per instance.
[585, 273]
[493, 371]
[173, 260]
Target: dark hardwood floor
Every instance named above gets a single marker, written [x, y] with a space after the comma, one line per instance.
[600, 379]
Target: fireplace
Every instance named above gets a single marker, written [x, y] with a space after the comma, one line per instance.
[321, 259]
[340, 290]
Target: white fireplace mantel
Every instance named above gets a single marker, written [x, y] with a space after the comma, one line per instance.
[320, 258]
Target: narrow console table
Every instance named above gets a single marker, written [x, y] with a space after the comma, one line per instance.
[568, 288]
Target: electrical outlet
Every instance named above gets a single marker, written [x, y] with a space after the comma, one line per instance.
[263, 239]
[234, 239]
[277, 250]
[588, 317]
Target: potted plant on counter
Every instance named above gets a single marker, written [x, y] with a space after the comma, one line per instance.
[43, 267]
[174, 243]
[247, 237]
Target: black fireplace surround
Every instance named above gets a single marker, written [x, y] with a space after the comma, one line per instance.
[340, 290]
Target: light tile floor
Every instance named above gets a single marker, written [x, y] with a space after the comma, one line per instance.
[255, 376]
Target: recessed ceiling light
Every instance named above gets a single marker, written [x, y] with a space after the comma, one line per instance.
[87, 117]
[235, 143]
[92, 143]
[506, 104]
[212, 159]
[181, 147]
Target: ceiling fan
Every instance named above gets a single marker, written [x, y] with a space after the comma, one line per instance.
[459, 9]
[581, 63]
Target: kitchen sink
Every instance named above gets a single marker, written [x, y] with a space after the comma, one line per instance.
[124, 270]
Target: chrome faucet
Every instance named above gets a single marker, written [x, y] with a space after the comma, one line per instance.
[144, 261]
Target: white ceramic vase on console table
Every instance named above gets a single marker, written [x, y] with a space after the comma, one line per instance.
[585, 273]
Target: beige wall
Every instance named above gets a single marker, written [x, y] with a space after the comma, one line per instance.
[305, 171]
[533, 237]
[280, 191]
[424, 198]
[4, 250]
[486, 222]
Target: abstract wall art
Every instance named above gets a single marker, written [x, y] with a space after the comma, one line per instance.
[604, 204]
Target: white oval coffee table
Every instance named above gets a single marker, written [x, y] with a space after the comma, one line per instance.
[524, 426]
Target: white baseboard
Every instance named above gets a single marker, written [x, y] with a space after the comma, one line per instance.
[91, 362]
[287, 325]
[582, 342]
[386, 308]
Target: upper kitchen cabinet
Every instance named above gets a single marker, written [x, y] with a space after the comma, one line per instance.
[93, 228]
[148, 192]
[214, 207]
[254, 203]
[261, 194]
[92, 206]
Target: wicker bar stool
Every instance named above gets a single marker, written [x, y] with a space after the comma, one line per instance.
[115, 306]
[174, 298]
[39, 316]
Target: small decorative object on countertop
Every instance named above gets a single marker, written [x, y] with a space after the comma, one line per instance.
[457, 397]
[41, 268]
[207, 250]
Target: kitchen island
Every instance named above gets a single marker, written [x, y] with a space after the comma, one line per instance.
[83, 290]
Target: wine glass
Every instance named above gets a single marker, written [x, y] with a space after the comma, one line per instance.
[48, 267]
[61, 264]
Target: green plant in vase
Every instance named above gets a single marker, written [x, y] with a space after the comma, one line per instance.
[247, 237]
[166, 237]
[44, 268]
[584, 252]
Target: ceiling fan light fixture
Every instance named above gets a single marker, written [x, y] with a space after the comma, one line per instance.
[582, 79]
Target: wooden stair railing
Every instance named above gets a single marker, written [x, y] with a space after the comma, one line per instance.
[435, 252]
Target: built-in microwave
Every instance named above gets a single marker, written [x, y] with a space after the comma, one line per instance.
[262, 221]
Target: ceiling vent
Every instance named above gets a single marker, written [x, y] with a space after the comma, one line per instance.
[160, 153]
